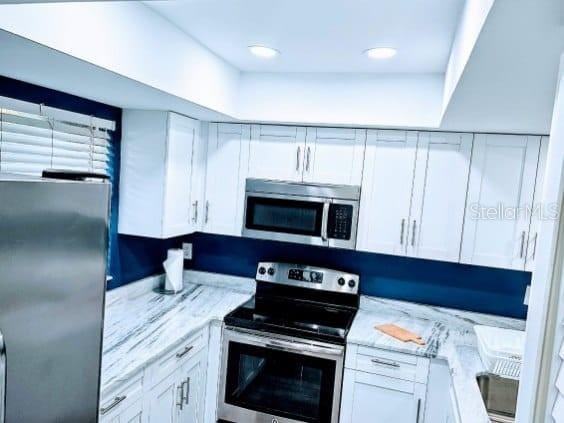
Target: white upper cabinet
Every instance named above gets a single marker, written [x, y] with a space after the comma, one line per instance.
[276, 152]
[334, 156]
[157, 171]
[225, 181]
[500, 196]
[386, 191]
[540, 210]
[439, 195]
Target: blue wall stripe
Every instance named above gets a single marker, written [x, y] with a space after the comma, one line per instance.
[473, 288]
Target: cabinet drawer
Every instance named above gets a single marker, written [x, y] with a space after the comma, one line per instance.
[121, 398]
[392, 364]
[177, 356]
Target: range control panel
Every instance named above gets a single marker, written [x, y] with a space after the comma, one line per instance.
[307, 277]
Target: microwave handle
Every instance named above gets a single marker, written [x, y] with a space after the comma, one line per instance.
[325, 220]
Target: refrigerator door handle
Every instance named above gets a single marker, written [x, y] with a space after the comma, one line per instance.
[2, 379]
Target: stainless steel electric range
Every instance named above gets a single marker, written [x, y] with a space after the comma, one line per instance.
[283, 351]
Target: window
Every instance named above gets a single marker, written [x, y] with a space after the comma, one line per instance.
[35, 137]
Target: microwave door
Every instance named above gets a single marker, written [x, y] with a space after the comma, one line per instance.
[287, 218]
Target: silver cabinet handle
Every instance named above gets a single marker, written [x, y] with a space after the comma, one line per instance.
[187, 393]
[180, 401]
[195, 214]
[2, 378]
[117, 400]
[185, 351]
[402, 230]
[207, 213]
[535, 245]
[381, 362]
[307, 158]
[522, 251]
[418, 410]
[298, 154]
[413, 234]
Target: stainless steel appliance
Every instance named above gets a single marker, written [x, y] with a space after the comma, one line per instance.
[53, 248]
[283, 350]
[305, 213]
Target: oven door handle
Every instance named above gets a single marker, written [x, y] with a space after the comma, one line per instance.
[325, 221]
[290, 346]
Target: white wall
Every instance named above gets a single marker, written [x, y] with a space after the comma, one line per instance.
[132, 40]
[546, 305]
[341, 99]
[470, 25]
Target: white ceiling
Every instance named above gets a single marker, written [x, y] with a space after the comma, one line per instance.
[321, 35]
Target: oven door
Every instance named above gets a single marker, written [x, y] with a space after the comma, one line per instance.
[273, 378]
[289, 218]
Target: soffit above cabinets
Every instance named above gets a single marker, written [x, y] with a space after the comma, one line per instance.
[322, 35]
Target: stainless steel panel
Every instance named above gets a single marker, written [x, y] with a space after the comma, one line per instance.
[330, 277]
[500, 397]
[294, 345]
[344, 192]
[53, 238]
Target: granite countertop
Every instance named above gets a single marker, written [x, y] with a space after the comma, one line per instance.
[449, 335]
[141, 325]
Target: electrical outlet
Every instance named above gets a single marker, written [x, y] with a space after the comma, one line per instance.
[187, 249]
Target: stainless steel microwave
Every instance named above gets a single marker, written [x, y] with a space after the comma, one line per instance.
[315, 214]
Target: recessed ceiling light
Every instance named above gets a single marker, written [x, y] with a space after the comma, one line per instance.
[381, 52]
[264, 52]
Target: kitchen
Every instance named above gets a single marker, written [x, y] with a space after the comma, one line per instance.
[355, 220]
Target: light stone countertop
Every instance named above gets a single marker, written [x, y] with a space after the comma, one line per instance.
[141, 325]
[449, 336]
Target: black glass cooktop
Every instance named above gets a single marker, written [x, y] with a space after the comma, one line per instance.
[293, 317]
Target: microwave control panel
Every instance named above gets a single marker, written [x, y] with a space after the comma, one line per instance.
[340, 221]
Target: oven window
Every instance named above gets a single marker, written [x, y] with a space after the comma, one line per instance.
[280, 383]
[284, 215]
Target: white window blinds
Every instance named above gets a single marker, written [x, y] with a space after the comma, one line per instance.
[34, 138]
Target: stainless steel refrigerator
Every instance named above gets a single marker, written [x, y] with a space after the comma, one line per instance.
[53, 254]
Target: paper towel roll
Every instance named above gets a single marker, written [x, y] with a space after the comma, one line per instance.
[174, 268]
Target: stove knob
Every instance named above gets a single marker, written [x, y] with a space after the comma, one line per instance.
[262, 270]
[352, 283]
[341, 281]
[271, 271]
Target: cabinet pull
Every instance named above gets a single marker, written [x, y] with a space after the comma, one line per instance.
[385, 363]
[187, 393]
[413, 234]
[298, 154]
[180, 401]
[402, 230]
[207, 213]
[418, 410]
[535, 245]
[117, 400]
[185, 351]
[307, 158]
[195, 214]
[522, 244]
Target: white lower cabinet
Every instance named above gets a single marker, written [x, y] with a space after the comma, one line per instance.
[171, 390]
[383, 386]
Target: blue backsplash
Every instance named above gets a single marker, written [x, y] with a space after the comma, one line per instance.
[466, 287]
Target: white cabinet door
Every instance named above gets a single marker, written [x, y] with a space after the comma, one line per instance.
[225, 184]
[334, 155]
[182, 135]
[276, 152]
[540, 211]
[132, 414]
[386, 191]
[193, 388]
[379, 399]
[165, 400]
[500, 196]
[439, 196]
